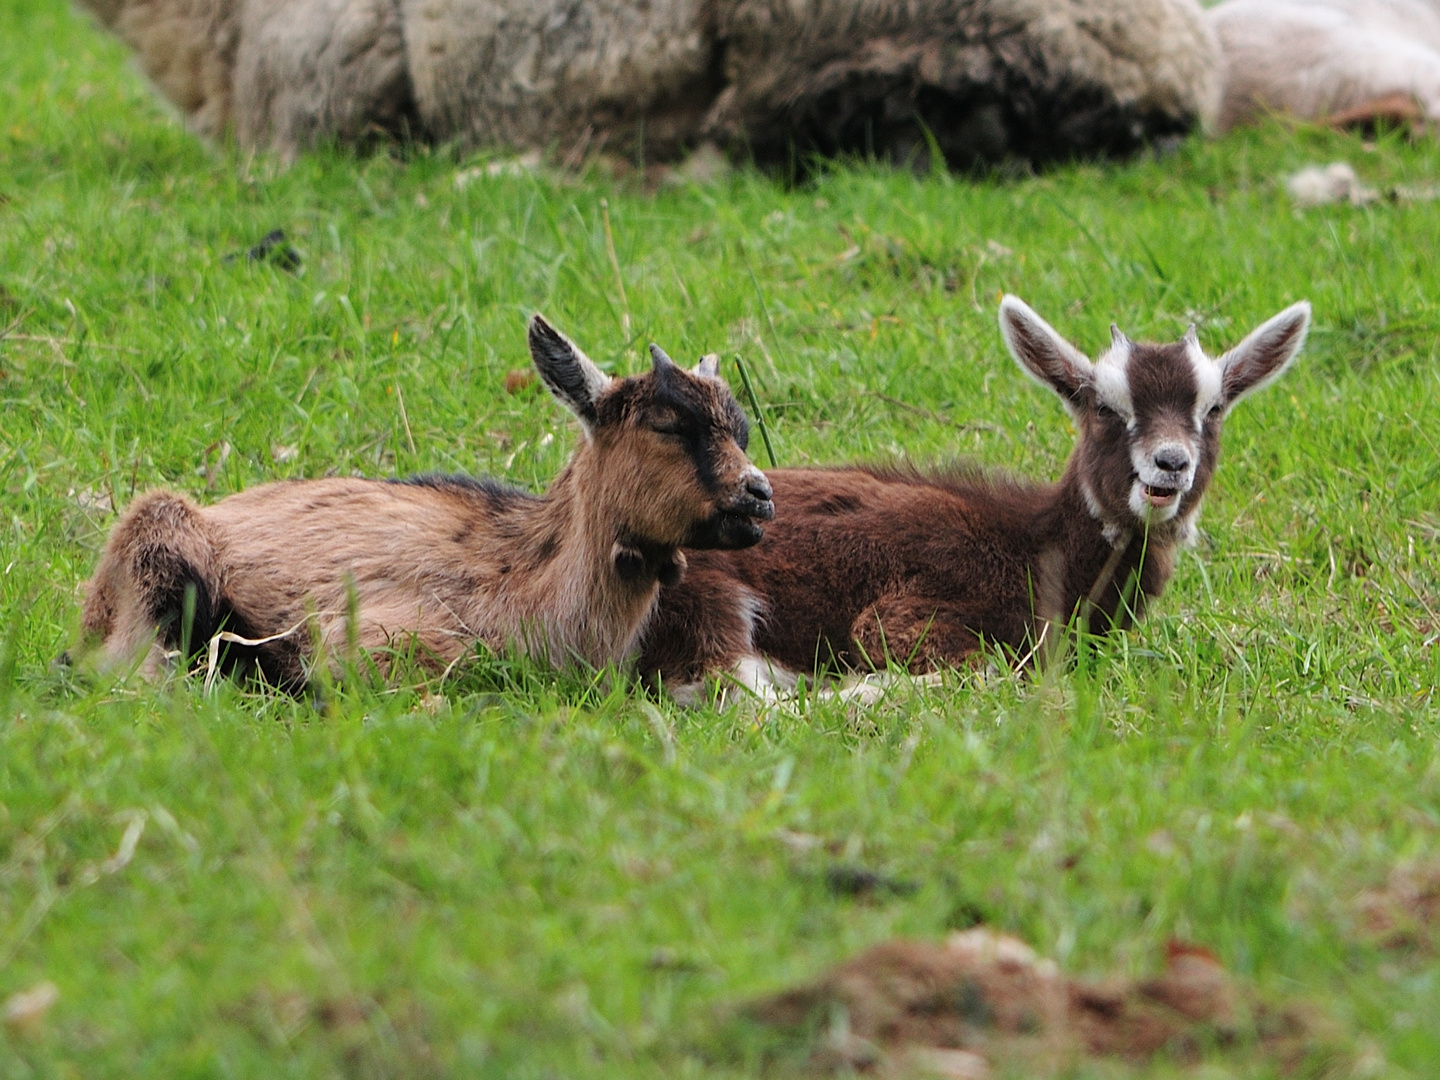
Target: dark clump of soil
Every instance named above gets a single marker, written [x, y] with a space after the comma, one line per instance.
[983, 998]
[860, 882]
[273, 249]
[1404, 913]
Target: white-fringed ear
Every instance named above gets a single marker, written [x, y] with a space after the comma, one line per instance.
[1265, 353]
[708, 367]
[1043, 354]
[571, 375]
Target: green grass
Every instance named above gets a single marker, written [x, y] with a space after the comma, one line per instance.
[514, 875]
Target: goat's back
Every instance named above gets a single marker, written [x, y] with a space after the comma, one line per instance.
[843, 540]
[427, 553]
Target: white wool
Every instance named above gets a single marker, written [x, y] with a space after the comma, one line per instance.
[1316, 58]
[580, 76]
[1155, 56]
[1316, 185]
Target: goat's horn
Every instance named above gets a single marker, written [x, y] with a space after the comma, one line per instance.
[1192, 336]
[659, 358]
[1117, 336]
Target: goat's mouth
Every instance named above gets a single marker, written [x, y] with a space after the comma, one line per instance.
[1154, 503]
[1158, 495]
[735, 525]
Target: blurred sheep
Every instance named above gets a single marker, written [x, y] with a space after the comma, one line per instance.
[1343, 61]
[982, 80]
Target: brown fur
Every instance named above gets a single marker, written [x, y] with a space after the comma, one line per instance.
[864, 565]
[439, 563]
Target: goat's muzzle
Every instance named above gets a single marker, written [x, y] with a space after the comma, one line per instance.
[1163, 475]
[736, 523]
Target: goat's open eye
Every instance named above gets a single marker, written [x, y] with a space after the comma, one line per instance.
[1215, 411]
[1104, 412]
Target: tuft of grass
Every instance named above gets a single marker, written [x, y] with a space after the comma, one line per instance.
[514, 874]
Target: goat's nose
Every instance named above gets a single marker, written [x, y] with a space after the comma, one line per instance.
[759, 487]
[1172, 459]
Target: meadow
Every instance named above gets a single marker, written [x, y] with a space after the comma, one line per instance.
[512, 874]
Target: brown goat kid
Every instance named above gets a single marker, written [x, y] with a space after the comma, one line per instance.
[863, 565]
[438, 563]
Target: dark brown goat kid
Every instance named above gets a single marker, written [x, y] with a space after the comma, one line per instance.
[867, 565]
[437, 563]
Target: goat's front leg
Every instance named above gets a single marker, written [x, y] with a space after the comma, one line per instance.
[703, 626]
[918, 633]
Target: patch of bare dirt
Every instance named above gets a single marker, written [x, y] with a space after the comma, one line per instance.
[374, 1038]
[984, 999]
[517, 381]
[1404, 913]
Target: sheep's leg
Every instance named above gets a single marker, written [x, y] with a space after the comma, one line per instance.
[135, 606]
[916, 632]
[1395, 110]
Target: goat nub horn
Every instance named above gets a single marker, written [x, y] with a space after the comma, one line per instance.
[660, 358]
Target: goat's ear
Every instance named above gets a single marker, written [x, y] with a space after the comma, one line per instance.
[1043, 353]
[1265, 354]
[708, 367]
[570, 374]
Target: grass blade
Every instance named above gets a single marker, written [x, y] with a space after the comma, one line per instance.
[759, 413]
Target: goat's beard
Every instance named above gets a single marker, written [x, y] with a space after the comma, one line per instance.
[725, 530]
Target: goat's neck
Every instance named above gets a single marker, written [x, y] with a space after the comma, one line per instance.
[1103, 568]
[587, 607]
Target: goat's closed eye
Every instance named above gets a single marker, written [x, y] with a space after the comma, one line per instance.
[1104, 411]
[681, 427]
